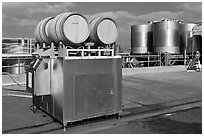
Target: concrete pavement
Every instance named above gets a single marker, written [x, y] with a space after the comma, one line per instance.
[143, 94]
[181, 122]
[154, 88]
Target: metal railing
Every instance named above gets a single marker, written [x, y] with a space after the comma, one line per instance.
[16, 61]
[16, 54]
[151, 60]
[141, 60]
[18, 45]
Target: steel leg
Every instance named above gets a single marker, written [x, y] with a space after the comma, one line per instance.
[118, 116]
[33, 108]
[64, 126]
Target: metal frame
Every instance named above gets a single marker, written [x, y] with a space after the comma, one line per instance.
[83, 51]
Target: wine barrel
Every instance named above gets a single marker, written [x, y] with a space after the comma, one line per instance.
[41, 34]
[70, 28]
[103, 30]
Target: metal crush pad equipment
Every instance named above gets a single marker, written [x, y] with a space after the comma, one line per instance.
[76, 88]
[77, 83]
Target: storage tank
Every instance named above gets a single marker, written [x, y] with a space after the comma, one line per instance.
[71, 28]
[16, 67]
[185, 37]
[197, 38]
[196, 43]
[166, 36]
[13, 66]
[103, 30]
[41, 31]
[141, 38]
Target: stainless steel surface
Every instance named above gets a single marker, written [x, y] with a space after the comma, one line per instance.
[93, 95]
[166, 36]
[41, 34]
[186, 41]
[197, 30]
[57, 88]
[81, 88]
[197, 43]
[13, 66]
[141, 38]
[42, 78]
[7, 55]
[167, 49]
[103, 30]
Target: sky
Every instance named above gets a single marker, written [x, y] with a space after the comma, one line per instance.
[19, 19]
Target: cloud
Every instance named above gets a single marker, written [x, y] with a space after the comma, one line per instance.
[52, 8]
[30, 14]
[26, 22]
[131, 19]
[114, 15]
[8, 21]
[23, 17]
[125, 15]
[102, 14]
[34, 10]
[125, 19]
[145, 18]
[195, 7]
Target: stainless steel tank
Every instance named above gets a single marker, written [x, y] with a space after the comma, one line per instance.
[41, 34]
[166, 36]
[185, 36]
[103, 30]
[141, 38]
[196, 43]
[14, 66]
[197, 38]
[71, 28]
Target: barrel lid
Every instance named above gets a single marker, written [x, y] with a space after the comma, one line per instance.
[107, 31]
[76, 28]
